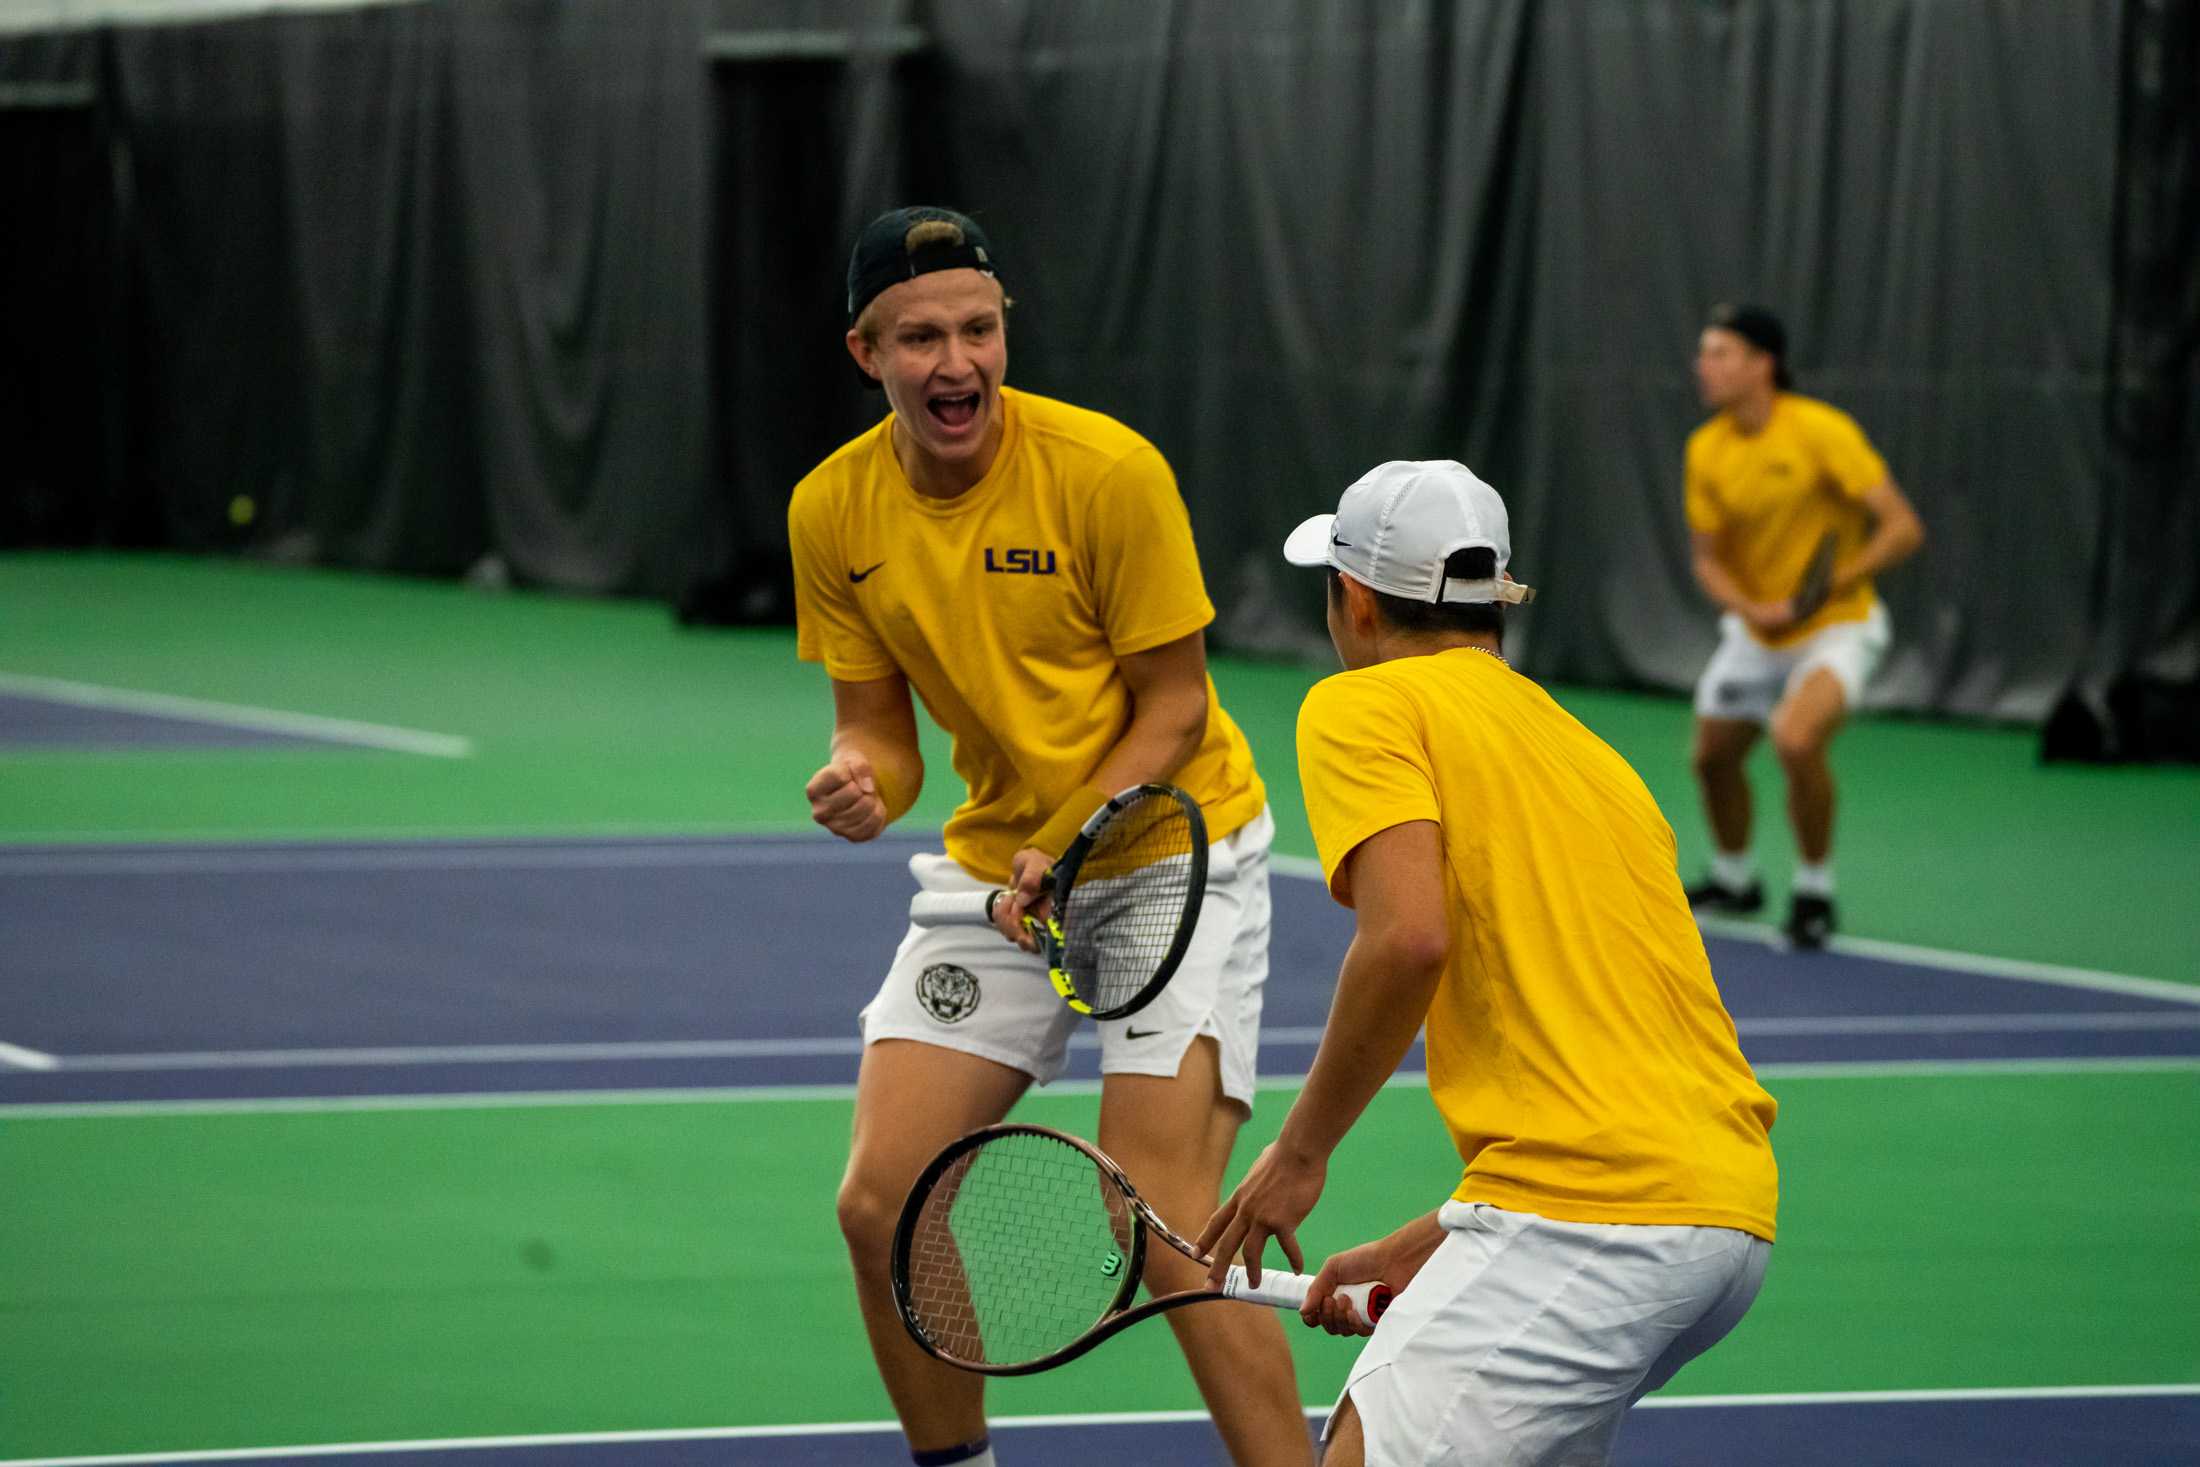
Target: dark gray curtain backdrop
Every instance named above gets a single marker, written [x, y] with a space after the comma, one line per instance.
[425, 282]
[57, 300]
[2145, 607]
[1284, 245]
[1923, 191]
[553, 280]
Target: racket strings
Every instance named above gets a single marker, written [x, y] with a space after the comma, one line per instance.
[1120, 917]
[1021, 1247]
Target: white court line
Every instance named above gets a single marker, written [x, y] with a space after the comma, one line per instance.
[2050, 1023]
[17, 1057]
[642, 1051]
[766, 1094]
[397, 1057]
[1072, 1419]
[237, 715]
[1901, 952]
[2016, 969]
[2120, 1064]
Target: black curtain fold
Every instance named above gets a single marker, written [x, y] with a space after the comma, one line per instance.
[2146, 602]
[1279, 243]
[421, 283]
[1913, 190]
[425, 283]
[56, 479]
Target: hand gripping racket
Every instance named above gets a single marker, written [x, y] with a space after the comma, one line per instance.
[1021, 1248]
[1125, 895]
[1816, 587]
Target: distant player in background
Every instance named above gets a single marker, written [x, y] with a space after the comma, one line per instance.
[1773, 481]
[1026, 567]
[1513, 888]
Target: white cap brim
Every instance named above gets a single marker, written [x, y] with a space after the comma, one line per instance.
[1309, 543]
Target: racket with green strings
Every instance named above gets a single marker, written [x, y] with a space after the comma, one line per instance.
[1021, 1248]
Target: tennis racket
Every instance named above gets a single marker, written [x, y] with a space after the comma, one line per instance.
[1021, 1248]
[1125, 896]
[1816, 587]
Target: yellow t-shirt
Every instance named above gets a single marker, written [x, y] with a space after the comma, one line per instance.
[1007, 607]
[1771, 496]
[1577, 1047]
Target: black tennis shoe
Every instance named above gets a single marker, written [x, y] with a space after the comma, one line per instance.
[1713, 895]
[1810, 921]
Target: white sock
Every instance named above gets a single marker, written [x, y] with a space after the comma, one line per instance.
[1734, 872]
[1815, 880]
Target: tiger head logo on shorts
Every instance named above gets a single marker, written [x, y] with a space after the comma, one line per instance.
[948, 993]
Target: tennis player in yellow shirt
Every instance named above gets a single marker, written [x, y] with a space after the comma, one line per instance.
[1768, 479]
[1514, 890]
[1026, 568]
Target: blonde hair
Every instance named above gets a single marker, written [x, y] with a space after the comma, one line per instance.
[931, 231]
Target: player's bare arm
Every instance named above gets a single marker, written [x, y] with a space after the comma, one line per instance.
[1383, 992]
[1897, 534]
[1707, 559]
[876, 768]
[1168, 687]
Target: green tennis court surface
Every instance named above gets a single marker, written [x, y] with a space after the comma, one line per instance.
[251, 1279]
[344, 1270]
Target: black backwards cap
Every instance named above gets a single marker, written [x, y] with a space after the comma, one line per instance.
[1762, 330]
[884, 257]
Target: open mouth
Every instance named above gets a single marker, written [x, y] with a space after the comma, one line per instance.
[954, 413]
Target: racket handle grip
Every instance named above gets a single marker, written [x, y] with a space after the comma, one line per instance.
[1281, 1290]
[952, 908]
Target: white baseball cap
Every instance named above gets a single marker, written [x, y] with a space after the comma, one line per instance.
[1396, 527]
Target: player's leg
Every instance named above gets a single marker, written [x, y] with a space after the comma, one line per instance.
[1720, 750]
[1803, 727]
[1721, 747]
[911, 1100]
[1177, 1083]
[1733, 697]
[1346, 1445]
[1173, 1136]
[1830, 673]
[962, 1024]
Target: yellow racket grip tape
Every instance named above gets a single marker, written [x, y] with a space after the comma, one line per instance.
[1059, 976]
[1068, 990]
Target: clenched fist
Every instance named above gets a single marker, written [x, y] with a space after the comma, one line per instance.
[844, 798]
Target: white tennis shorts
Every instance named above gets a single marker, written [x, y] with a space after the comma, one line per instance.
[1523, 1341]
[1746, 680]
[968, 988]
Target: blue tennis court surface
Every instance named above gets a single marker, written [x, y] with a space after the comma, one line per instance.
[246, 972]
[2110, 1428]
[35, 723]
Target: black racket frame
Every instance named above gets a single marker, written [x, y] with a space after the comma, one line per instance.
[1120, 1314]
[1061, 879]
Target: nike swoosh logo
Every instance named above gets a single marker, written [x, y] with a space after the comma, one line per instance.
[860, 576]
[1140, 1033]
[1347, 544]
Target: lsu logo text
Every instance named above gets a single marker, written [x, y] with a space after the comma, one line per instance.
[1019, 562]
